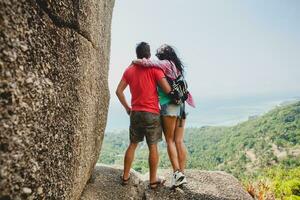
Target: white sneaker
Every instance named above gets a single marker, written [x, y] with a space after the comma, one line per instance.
[173, 180]
[184, 181]
[178, 179]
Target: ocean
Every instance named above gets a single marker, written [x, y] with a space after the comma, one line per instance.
[210, 112]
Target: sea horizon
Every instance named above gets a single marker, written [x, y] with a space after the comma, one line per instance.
[211, 112]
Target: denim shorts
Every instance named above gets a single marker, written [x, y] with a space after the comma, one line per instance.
[171, 110]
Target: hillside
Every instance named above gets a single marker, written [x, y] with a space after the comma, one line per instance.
[271, 139]
[264, 141]
[264, 146]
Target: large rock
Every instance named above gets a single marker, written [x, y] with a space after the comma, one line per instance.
[54, 95]
[202, 185]
[105, 183]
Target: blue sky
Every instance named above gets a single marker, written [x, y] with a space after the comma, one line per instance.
[232, 49]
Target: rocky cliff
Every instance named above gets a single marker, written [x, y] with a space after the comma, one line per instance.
[54, 95]
[202, 185]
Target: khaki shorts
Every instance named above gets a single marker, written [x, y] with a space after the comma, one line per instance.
[145, 124]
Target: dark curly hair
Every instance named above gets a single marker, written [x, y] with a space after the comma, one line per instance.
[167, 52]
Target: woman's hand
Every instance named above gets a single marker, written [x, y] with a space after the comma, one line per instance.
[137, 62]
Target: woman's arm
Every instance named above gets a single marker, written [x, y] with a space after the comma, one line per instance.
[162, 64]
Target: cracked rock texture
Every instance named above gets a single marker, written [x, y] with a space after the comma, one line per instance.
[202, 185]
[54, 95]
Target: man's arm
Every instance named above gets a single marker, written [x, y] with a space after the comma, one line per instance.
[165, 86]
[120, 94]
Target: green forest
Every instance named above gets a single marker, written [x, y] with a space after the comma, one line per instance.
[263, 152]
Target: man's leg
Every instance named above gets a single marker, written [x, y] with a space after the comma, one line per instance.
[153, 162]
[129, 156]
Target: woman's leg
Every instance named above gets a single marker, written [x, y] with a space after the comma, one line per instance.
[169, 124]
[180, 147]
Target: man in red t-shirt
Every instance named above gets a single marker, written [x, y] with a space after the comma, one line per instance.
[144, 111]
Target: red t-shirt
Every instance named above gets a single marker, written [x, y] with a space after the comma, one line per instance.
[142, 83]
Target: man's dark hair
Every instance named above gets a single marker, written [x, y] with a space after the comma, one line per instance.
[143, 50]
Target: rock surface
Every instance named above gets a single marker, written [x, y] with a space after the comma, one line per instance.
[202, 185]
[54, 95]
[105, 183]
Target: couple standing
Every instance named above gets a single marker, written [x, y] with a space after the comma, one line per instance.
[147, 80]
